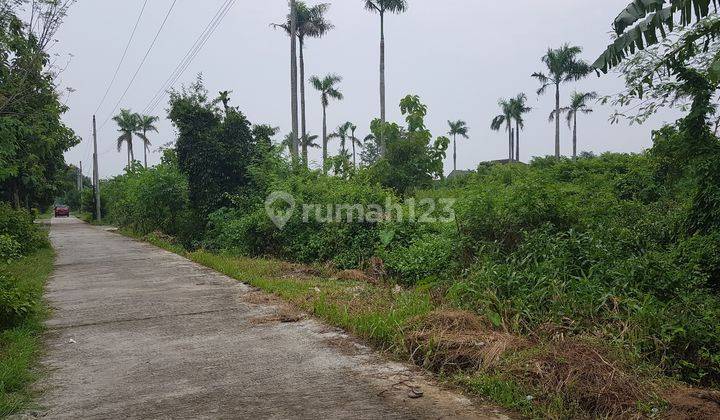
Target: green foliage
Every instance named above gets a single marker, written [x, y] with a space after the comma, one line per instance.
[9, 248]
[214, 149]
[33, 136]
[146, 200]
[413, 160]
[19, 227]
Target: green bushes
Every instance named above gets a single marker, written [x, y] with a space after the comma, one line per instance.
[147, 200]
[20, 232]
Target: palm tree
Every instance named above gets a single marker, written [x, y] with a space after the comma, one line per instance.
[293, 79]
[519, 108]
[309, 142]
[578, 104]
[146, 124]
[342, 133]
[355, 142]
[563, 66]
[328, 90]
[311, 23]
[457, 128]
[381, 7]
[505, 118]
[127, 122]
[224, 97]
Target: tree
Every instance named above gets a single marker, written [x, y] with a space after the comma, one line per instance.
[505, 118]
[146, 124]
[519, 109]
[33, 137]
[342, 133]
[293, 79]
[328, 89]
[457, 128]
[355, 142]
[224, 98]
[578, 104]
[311, 23]
[371, 150]
[563, 66]
[381, 7]
[128, 124]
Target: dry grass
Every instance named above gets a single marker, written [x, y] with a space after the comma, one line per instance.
[448, 340]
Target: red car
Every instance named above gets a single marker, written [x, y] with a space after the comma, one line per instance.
[62, 211]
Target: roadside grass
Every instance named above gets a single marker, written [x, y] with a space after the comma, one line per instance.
[20, 346]
[521, 379]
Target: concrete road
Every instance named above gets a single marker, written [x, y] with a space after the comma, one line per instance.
[138, 332]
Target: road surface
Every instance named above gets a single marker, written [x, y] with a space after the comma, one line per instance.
[138, 332]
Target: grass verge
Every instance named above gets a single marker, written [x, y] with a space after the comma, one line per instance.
[20, 345]
[534, 377]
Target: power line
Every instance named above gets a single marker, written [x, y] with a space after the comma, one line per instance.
[190, 55]
[147, 53]
[122, 59]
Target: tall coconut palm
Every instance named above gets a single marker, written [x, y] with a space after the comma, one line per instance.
[381, 7]
[519, 109]
[505, 118]
[127, 122]
[578, 104]
[146, 124]
[309, 142]
[311, 23]
[562, 66]
[328, 89]
[457, 128]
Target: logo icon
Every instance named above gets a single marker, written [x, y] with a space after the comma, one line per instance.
[280, 207]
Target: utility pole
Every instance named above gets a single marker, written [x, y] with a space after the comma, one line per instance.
[96, 173]
[80, 185]
[294, 78]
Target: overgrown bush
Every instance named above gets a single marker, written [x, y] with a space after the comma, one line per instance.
[19, 226]
[9, 248]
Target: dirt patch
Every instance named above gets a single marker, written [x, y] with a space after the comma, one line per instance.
[283, 317]
[452, 340]
[690, 403]
[257, 297]
[585, 376]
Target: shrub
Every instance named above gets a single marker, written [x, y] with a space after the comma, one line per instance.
[19, 226]
[9, 248]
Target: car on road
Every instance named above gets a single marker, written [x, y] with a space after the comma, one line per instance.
[62, 211]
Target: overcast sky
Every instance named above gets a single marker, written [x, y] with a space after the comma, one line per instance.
[460, 56]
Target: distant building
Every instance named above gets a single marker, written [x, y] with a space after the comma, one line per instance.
[459, 174]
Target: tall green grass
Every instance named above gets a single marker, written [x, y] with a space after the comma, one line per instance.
[20, 345]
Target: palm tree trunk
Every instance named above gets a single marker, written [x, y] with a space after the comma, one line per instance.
[128, 156]
[145, 146]
[354, 162]
[517, 141]
[383, 148]
[293, 79]
[324, 134]
[454, 152]
[510, 140]
[557, 120]
[303, 123]
[575, 135]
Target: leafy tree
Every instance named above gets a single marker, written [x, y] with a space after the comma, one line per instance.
[146, 124]
[371, 150]
[505, 118]
[457, 128]
[214, 149]
[413, 160]
[128, 123]
[328, 89]
[33, 137]
[381, 7]
[224, 98]
[519, 108]
[578, 104]
[311, 23]
[563, 66]
[264, 133]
